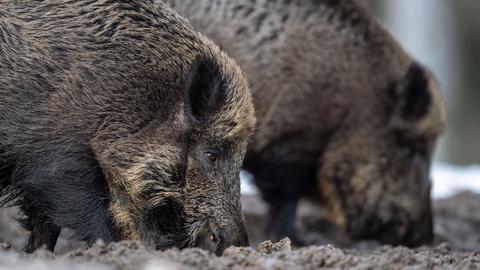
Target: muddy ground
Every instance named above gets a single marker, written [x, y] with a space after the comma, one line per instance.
[457, 228]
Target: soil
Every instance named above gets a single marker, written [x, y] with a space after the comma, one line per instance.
[457, 228]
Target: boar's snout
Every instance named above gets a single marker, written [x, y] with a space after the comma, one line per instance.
[420, 232]
[216, 240]
[400, 229]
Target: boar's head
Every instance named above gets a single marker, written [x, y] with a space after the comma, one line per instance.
[375, 174]
[174, 178]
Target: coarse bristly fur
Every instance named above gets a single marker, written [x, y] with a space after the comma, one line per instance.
[119, 121]
[345, 116]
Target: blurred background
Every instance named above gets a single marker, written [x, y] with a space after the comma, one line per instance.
[444, 35]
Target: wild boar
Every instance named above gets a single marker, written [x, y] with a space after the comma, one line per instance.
[119, 121]
[346, 117]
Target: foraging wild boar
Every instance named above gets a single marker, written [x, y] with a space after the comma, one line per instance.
[345, 116]
[119, 121]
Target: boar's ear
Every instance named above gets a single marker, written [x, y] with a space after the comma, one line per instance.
[205, 89]
[412, 96]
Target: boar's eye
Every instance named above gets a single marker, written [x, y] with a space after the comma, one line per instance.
[211, 156]
[412, 147]
[409, 151]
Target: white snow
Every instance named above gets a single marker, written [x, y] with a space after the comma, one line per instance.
[248, 186]
[450, 179]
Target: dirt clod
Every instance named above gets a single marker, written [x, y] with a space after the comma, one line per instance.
[268, 247]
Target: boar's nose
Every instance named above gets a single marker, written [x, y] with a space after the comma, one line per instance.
[216, 241]
[421, 232]
[398, 230]
[402, 230]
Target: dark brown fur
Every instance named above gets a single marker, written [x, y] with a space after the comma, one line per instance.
[109, 113]
[345, 116]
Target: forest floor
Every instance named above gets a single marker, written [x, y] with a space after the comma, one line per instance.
[457, 246]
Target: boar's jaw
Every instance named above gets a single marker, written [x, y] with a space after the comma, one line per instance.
[207, 235]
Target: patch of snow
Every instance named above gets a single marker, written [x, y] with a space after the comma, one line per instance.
[248, 186]
[450, 179]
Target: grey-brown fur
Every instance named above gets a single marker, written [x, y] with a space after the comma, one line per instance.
[119, 121]
[345, 116]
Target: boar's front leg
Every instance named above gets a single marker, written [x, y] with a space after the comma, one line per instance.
[64, 190]
[281, 221]
[43, 231]
[282, 184]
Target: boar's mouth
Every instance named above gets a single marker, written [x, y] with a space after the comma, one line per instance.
[399, 230]
[208, 235]
[167, 223]
[170, 229]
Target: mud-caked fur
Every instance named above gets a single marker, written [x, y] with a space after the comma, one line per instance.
[119, 121]
[345, 116]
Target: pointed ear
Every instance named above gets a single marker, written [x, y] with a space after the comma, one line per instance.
[412, 95]
[205, 90]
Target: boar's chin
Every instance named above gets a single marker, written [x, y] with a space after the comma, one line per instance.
[165, 227]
